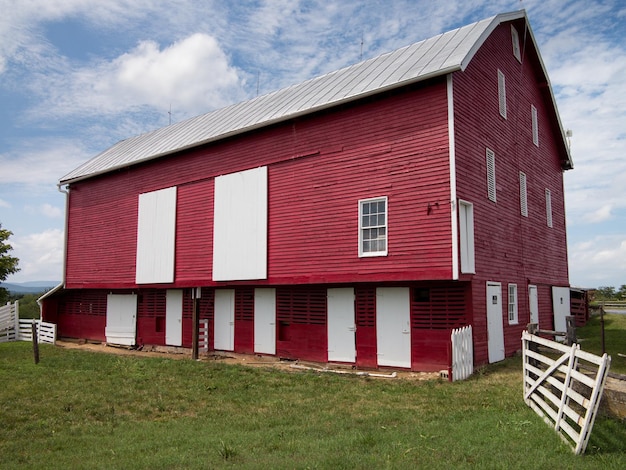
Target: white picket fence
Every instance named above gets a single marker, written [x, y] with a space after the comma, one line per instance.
[12, 328]
[462, 353]
[203, 336]
[557, 391]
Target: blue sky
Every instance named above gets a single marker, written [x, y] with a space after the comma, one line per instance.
[76, 76]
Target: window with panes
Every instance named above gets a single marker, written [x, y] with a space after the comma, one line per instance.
[373, 227]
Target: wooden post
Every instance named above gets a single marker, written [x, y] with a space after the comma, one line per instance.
[602, 326]
[195, 333]
[35, 342]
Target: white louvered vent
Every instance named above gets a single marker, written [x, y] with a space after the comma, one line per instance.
[535, 124]
[491, 175]
[523, 198]
[549, 208]
[502, 94]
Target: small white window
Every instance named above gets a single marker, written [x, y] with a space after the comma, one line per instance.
[523, 197]
[533, 113]
[515, 38]
[491, 175]
[512, 304]
[373, 227]
[502, 94]
[549, 208]
[466, 234]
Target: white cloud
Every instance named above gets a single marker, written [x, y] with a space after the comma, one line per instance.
[50, 211]
[40, 255]
[4, 203]
[599, 261]
[41, 162]
[193, 75]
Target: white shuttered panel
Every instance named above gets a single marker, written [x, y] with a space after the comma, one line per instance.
[240, 226]
[156, 235]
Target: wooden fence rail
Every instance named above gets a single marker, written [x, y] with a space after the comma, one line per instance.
[12, 328]
[557, 391]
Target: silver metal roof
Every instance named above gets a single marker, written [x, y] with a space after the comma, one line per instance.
[440, 55]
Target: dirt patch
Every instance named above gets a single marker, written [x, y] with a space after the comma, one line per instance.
[247, 360]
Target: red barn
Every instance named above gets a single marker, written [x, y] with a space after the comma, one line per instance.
[357, 217]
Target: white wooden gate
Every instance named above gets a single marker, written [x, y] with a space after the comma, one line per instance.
[564, 397]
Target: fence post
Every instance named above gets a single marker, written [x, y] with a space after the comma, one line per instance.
[35, 342]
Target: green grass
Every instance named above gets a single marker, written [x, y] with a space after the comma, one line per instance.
[614, 339]
[79, 409]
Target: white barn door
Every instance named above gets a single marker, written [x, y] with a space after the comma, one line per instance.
[561, 308]
[224, 330]
[495, 326]
[341, 325]
[121, 324]
[393, 328]
[265, 321]
[174, 317]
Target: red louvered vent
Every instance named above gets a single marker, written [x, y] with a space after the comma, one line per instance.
[439, 308]
[305, 306]
[86, 302]
[151, 303]
[244, 304]
[365, 306]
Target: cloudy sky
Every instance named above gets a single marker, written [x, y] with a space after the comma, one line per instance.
[76, 76]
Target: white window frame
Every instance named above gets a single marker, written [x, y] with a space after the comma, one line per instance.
[513, 307]
[517, 53]
[549, 208]
[466, 235]
[502, 93]
[523, 194]
[366, 227]
[491, 174]
[535, 125]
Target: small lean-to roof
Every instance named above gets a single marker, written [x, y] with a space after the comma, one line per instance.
[439, 55]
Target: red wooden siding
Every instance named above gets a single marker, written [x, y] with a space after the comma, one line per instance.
[365, 312]
[194, 234]
[301, 320]
[82, 314]
[151, 317]
[435, 311]
[509, 248]
[244, 320]
[395, 144]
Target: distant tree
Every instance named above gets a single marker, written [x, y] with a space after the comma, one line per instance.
[605, 293]
[621, 293]
[29, 308]
[8, 264]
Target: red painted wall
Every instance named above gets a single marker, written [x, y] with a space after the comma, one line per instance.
[319, 167]
[509, 248]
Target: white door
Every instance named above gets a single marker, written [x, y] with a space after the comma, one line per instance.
[341, 325]
[393, 328]
[224, 330]
[174, 317]
[561, 309]
[121, 324]
[495, 327]
[265, 321]
[533, 304]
